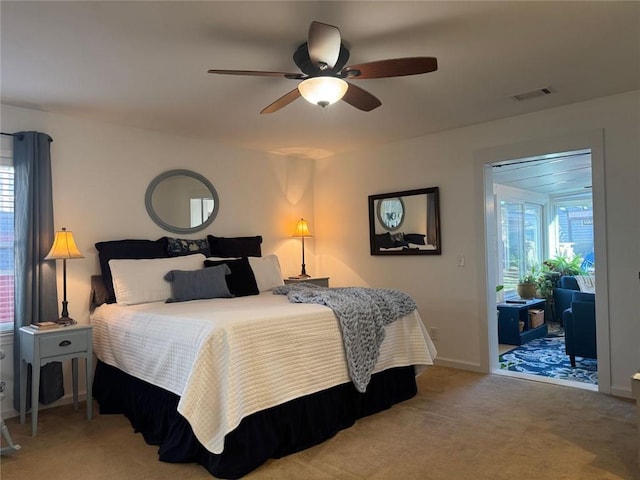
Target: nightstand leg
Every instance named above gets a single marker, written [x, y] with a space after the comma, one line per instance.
[35, 393]
[89, 368]
[23, 390]
[74, 379]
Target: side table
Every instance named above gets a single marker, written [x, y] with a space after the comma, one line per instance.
[511, 315]
[39, 347]
[321, 281]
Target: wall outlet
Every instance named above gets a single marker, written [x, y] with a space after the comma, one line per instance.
[460, 260]
[433, 333]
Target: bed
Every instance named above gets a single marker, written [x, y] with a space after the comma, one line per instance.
[233, 380]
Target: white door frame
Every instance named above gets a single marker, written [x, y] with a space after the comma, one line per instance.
[486, 230]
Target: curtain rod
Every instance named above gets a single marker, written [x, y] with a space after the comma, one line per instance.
[7, 134]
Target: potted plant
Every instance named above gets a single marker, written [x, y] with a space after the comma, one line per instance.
[527, 285]
[564, 266]
[549, 276]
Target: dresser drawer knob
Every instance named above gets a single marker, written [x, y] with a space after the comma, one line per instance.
[64, 343]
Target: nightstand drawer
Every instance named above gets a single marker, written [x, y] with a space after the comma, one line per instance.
[61, 343]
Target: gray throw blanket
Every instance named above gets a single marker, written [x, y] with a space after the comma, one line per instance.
[363, 314]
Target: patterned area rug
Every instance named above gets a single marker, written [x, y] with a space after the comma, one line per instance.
[546, 357]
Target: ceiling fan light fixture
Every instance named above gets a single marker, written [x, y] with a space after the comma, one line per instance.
[323, 91]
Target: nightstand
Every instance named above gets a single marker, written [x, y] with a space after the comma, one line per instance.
[39, 347]
[321, 281]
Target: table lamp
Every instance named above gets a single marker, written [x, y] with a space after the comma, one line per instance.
[302, 231]
[64, 247]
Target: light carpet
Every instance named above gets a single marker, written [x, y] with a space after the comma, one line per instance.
[461, 426]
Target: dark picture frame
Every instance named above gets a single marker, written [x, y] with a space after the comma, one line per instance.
[418, 233]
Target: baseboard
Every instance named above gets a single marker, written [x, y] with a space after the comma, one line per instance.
[461, 365]
[65, 400]
[621, 392]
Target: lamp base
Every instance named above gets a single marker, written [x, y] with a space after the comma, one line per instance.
[303, 275]
[65, 321]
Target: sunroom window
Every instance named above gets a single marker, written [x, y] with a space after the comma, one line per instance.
[522, 240]
[574, 226]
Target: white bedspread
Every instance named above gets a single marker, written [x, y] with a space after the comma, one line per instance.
[229, 358]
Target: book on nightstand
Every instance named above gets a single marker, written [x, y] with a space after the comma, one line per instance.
[44, 325]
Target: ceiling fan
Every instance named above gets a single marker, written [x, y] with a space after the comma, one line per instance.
[322, 61]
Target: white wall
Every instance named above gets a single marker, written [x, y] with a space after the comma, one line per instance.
[450, 298]
[100, 174]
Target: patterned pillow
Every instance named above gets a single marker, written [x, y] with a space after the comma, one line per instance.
[178, 247]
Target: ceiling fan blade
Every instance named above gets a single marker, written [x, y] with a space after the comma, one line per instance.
[394, 67]
[283, 101]
[323, 44]
[361, 99]
[294, 76]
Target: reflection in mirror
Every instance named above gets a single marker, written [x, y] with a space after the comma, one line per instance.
[405, 223]
[181, 201]
[390, 213]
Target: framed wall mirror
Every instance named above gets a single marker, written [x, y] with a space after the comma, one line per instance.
[181, 201]
[405, 223]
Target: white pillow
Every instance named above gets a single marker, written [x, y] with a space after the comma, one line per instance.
[142, 281]
[267, 272]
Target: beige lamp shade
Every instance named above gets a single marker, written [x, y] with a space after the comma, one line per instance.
[64, 246]
[323, 91]
[302, 229]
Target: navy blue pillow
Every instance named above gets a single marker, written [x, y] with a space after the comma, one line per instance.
[384, 240]
[241, 281]
[235, 246]
[198, 284]
[415, 238]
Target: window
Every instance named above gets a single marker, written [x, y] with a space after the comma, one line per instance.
[574, 230]
[201, 210]
[522, 240]
[6, 236]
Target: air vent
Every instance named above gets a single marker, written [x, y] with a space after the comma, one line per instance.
[538, 92]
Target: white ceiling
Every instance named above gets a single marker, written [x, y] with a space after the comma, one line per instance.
[556, 174]
[144, 64]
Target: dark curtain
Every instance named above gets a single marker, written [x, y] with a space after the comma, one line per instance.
[36, 295]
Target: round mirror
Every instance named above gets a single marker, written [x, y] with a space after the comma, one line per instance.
[391, 213]
[181, 201]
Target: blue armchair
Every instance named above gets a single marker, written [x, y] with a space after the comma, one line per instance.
[563, 294]
[580, 327]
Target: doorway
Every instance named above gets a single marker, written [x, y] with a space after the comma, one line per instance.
[533, 151]
[544, 217]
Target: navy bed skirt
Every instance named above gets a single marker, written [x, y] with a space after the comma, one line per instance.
[272, 433]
